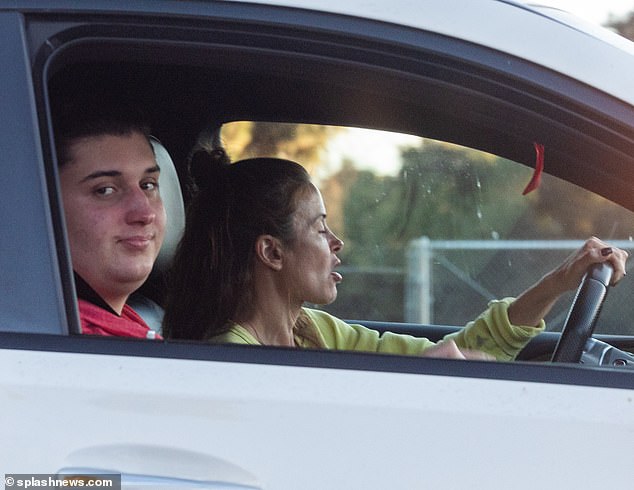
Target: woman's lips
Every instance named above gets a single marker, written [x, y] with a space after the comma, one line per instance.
[336, 276]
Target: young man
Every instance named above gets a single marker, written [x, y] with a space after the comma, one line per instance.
[114, 217]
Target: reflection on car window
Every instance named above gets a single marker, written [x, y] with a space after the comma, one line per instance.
[432, 230]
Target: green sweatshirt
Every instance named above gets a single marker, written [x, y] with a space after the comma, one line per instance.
[491, 332]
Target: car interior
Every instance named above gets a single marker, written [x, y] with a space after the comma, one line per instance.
[189, 90]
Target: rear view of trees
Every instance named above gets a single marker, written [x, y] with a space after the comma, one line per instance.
[625, 26]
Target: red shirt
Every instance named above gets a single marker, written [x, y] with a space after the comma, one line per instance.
[97, 321]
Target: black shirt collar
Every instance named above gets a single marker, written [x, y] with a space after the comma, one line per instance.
[85, 292]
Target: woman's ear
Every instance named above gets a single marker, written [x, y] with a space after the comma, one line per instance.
[268, 250]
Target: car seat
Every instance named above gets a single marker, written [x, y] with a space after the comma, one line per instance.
[172, 197]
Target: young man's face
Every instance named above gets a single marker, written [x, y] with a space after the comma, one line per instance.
[114, 213]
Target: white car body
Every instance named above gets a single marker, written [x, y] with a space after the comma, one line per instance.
[158, 421]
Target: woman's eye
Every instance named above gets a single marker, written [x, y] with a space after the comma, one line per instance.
[150, 186]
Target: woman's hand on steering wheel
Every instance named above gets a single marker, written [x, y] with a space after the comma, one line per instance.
[532, 305]
[569, 274]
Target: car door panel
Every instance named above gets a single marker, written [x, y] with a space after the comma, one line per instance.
[284, 426]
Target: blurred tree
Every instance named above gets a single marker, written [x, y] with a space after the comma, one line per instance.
[624, 26]
[302, 143]
[559, 210]
[449, 192]
[442, 192]
[334, 191]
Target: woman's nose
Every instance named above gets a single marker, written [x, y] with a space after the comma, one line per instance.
[336, 243]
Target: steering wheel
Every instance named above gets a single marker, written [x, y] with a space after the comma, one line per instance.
[583, 313]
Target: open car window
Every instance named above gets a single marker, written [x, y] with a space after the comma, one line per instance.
[433, 231]
[433, 228]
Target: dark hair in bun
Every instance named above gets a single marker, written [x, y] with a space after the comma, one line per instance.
[208, 167]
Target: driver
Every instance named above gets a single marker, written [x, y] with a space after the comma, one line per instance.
[256, 248]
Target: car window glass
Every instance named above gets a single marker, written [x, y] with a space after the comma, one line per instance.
[432, 230]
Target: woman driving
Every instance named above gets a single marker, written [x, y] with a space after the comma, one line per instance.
[257, 247]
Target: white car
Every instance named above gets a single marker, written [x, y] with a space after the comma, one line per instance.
[454, 97]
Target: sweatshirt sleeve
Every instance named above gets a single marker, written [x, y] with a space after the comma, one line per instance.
[492, 332]
[337, 334]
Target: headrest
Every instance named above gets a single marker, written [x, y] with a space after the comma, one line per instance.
[172, 197]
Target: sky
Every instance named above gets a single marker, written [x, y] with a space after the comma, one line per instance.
[597, 11]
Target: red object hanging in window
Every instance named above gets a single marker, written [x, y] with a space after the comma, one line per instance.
[539, 169]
